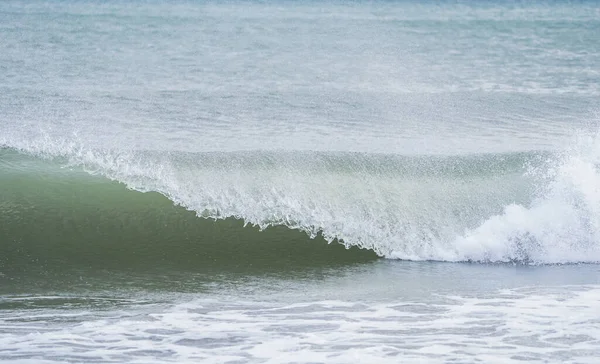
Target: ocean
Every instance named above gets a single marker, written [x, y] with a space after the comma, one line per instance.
[299, 181]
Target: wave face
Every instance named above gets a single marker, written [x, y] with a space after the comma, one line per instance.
[522, 207]
[56, 220]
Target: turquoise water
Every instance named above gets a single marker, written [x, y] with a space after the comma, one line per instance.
[299, 182]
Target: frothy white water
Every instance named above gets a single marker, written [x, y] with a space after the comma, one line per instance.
[561, 225]
[478, 210]
[547, 324]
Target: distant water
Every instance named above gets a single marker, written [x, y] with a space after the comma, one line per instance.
[299, 182]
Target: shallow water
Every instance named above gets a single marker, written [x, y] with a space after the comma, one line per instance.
[381, 311]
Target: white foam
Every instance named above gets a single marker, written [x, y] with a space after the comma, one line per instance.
[547, 324]
[561, 225]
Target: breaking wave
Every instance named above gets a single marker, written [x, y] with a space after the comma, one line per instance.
[530, 207]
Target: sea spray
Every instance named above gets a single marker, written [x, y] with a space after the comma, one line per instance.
[560, 225]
